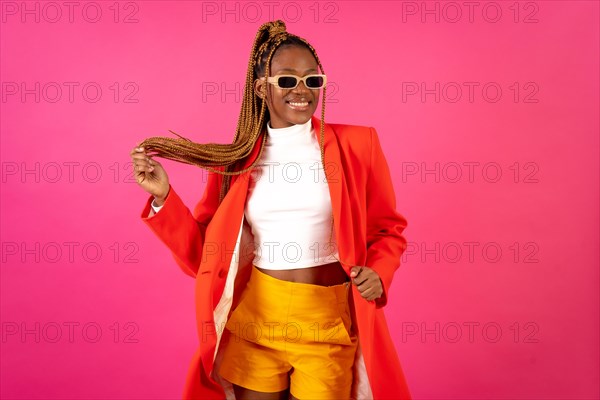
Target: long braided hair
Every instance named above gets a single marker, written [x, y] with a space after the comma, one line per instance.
[252, 121]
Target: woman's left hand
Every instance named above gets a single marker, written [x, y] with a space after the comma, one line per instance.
[367, 282]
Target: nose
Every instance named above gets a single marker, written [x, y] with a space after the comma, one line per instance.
[300, 88]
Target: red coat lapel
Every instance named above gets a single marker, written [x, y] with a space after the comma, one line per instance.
[335, 179]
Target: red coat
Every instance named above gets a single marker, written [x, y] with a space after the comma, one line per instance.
[215, 244]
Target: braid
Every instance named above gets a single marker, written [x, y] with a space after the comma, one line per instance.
[252, 121]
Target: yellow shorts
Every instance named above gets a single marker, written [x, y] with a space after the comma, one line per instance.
[289, 334]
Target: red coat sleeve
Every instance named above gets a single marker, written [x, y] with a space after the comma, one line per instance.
[182, 232]
[385, 243]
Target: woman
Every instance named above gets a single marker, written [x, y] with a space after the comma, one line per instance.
[274, 325]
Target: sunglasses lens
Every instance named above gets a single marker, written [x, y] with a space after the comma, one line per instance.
[314, 82]
[287, 82]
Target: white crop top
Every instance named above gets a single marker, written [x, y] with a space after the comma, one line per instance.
[288, 204]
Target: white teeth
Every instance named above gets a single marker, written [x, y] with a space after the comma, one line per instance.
[299, 104]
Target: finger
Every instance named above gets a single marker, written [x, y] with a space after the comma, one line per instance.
[367, 294]
[375, 293]
[142, 172]
[141, 168]
[149, 160]
[372, 293]
[375, 296]
[363, 288]
[369, 297]
[143, 157]
[360, 280]
[142, 160]
[137, 149]
[140, 165]
[139, 156]
[368, 288]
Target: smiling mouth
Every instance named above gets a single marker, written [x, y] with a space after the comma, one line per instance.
[298, 105]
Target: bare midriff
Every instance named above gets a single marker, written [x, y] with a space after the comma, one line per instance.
[323, 275]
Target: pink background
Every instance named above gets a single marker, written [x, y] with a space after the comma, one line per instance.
[93, 305]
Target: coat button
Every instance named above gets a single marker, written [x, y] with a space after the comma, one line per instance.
[222, 273]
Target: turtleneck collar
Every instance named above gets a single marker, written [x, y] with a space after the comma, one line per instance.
[290, 131]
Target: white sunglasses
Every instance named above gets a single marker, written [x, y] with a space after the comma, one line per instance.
[314, 81]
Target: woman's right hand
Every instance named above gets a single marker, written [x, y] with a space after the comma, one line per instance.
[150, 175]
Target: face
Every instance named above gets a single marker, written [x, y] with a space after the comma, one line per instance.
[289, 107]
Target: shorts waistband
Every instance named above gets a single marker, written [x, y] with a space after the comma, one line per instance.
[274, 285]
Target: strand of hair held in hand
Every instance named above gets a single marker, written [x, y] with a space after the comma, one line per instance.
[252, 120]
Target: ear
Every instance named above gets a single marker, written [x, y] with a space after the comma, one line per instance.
[260, 88]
